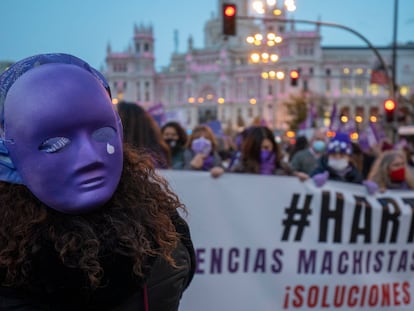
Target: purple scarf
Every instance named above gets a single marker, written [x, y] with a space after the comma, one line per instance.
[208, 163]
[267, 163]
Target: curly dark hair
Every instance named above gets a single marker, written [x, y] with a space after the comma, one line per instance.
[182, 135]
[136, 223]
[142, 131]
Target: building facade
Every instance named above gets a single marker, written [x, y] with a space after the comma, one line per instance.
[221, 81]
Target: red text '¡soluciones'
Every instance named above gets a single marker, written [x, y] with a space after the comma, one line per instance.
[330, 296]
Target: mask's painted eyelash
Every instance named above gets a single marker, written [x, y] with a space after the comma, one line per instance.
[54, 144]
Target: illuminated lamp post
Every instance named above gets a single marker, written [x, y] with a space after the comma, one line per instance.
[265, 45]
[265, 55]
[271, 7]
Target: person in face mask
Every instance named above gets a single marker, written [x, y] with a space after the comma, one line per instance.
[336, 164]
[176, 138]
[391, 171]
[86, 223]
[202, 152]
[260, 154]
[305, 161]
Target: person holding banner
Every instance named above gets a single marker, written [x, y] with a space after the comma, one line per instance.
[176, 138]
[202, 152]
[261, 154]
[86, 223]
[236, 156]
[305, 161]
[390, 171]
[336, 164]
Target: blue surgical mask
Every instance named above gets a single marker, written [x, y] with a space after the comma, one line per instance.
[319, 146]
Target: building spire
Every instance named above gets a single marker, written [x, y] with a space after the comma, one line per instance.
[176, 42]
[190, 43]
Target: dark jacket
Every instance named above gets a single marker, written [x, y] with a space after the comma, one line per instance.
[177, 158]
[351, 174]
[60, 288]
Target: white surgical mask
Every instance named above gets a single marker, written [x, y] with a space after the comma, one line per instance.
[338, 164]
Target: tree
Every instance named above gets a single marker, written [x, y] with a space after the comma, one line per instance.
[296, 108]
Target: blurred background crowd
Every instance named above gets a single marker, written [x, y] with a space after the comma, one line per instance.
[318, 154]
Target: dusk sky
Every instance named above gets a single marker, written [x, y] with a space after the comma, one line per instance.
[85, 27]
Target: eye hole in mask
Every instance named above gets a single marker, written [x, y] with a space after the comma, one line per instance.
[104, 134]
[54, 144]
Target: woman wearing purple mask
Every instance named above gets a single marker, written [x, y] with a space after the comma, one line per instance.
[260, 154]
[79, 226]
[201, 152]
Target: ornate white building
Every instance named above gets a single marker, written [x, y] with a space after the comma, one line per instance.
[219, 81]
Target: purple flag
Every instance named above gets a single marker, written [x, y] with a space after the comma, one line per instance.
[349, 127]
[302, 126]
[363, 141]
[311, 116]
[158, 113]
[371, 136]
[215, 126]
[378, 131]
[335, 123]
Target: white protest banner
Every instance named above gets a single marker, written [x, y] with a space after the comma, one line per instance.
[273, 243]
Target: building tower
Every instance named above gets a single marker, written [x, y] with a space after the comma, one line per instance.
[131, 74]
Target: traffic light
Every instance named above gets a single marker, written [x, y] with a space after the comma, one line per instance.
[389, 109]
[229, 19]
[294, 76]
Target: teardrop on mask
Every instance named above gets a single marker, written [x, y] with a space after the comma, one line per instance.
[110, 149]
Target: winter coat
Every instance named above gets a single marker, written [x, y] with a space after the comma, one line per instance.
[351, 173]
[60, 288]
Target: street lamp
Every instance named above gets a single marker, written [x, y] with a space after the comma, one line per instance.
[279, 75]
[267, 57]
[265, 48]
[271, 6]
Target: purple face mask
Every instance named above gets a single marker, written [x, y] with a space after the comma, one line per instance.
[64, 137]
[201, 145]
[267, 162]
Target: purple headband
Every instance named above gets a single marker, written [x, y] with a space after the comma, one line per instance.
[7, 78]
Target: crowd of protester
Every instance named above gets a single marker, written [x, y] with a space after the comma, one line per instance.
[256, 150]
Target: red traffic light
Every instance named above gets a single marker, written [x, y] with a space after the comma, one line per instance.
[229, 10]
[294, 74]
[389, 105]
